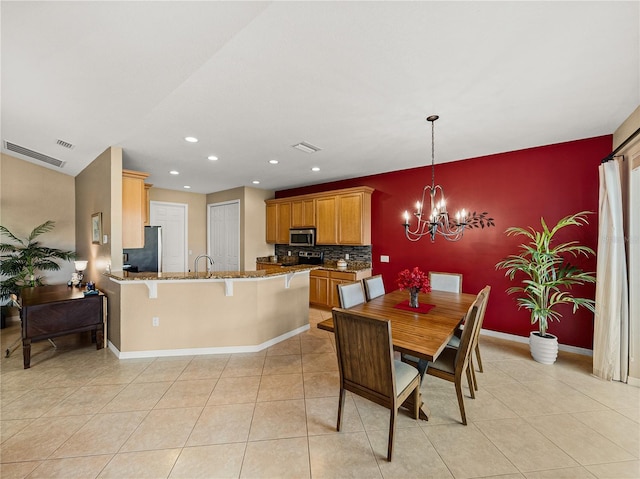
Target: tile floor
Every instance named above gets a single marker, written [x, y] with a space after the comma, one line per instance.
[82, 413]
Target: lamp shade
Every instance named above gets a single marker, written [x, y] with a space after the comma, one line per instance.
[81, 265]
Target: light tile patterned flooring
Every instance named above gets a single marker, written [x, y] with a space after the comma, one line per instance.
[82, 413]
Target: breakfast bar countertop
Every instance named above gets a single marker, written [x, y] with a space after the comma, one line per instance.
[265, 273]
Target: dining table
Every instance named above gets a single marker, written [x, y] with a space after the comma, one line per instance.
[422, 332]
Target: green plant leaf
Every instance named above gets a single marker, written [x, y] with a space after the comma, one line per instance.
[548, 276]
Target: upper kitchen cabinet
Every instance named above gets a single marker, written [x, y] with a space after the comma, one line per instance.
[344, 218]
[278, 222]
[134, 208]
[354, 217]
[147, 203]
[303, 213]
[341, 217]
[326, 220]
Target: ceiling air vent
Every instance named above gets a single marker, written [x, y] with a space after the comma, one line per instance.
[65, 144]
[33, 154]
[306, 147]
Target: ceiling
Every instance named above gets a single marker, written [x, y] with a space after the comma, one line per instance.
[356, 79]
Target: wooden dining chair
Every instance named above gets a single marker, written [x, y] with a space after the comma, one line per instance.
[373, 287]
[368, 369]
[451, 282]
[475, 347]
[350, 294]
[453, 364]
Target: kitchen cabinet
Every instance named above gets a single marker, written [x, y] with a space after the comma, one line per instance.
[278, 222]
[326, 224]
[341, 217]
[303, 213]
[147, 203]
[134, 208]
[354, 218]
[345, 218]
[323, 285]
[319, 287]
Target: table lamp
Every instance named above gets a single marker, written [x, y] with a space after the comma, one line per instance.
[76, 278]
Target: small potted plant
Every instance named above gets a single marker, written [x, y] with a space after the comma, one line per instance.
[415, 281]
[22, 259]
[546, 276]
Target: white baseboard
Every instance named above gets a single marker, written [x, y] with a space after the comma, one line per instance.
[633, 381]
[201, 351]
[525, 340]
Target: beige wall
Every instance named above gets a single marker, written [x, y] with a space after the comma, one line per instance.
[255, 226]
[252, 222]
[30, 195]
[99, 190]
[197, 220]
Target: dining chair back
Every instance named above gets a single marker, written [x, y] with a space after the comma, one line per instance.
[373, 287]
[475, 347]
[350, 294]
[367, 367]
[451, 282]
[453, 364]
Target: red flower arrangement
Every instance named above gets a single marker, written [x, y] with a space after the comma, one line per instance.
[414, 280]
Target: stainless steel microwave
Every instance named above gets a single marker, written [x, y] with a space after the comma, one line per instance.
[302, 237]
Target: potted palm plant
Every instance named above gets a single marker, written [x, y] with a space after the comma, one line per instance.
[23, 258]
[546, 276]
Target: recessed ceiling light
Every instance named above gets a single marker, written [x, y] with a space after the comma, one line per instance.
[255, 182]
[174, 172]
[306, 147]
[315, 168]
[186, 187]
[212, 158]
[191, 139]
[273, 162]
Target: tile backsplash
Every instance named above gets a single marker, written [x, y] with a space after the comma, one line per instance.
[331, 253]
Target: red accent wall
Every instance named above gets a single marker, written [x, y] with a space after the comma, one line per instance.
[516, 189]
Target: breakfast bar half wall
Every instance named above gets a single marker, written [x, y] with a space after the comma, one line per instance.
[174, 314]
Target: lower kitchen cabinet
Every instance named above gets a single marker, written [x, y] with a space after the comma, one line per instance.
[323, 285]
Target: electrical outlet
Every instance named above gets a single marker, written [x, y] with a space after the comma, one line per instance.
[346, 256]
[384, 258]
[156, 321]
[288, 253]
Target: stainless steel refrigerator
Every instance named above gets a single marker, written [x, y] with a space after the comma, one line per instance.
[148, 258]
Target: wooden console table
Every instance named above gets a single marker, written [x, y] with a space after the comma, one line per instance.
[51, 311]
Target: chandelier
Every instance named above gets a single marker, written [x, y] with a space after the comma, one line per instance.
[435, 220]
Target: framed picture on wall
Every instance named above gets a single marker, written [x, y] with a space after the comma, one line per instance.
[96, 228]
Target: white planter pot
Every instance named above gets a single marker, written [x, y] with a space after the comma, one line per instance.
[544, 350]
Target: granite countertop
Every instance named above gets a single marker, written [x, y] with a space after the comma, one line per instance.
[265, 273]
[352, 266]
[286, 261]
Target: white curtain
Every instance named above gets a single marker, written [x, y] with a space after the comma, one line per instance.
[611, 333]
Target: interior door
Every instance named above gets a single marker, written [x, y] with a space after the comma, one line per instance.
[173, 219]
[224, 235]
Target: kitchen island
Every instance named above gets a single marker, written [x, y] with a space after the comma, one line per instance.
[171, 314]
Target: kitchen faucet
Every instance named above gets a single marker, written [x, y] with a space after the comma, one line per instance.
[195, 263]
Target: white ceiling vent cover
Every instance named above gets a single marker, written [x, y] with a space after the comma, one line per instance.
[306, 147]
[65, 144]
[33, 154]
